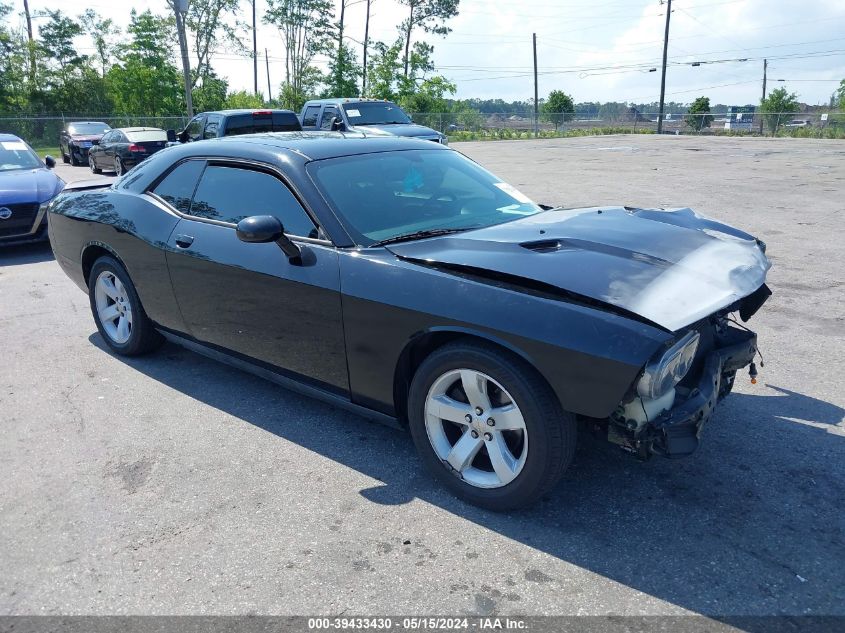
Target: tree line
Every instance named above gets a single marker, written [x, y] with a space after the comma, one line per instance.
[134, 70]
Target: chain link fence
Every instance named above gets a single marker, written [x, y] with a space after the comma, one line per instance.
[471, 124]
[44, 131]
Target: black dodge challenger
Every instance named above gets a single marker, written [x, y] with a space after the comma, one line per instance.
[402, 280]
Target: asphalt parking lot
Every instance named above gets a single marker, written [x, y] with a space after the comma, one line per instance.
[173, 485]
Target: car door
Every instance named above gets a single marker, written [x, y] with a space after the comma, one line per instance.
[329, 113]
[212, 125]
[309, 117]
[193, 131]
[250, 298]
[98, 152]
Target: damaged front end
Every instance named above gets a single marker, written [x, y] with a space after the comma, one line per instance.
[675, 395]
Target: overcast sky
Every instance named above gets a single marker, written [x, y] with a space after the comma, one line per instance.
[583, 43]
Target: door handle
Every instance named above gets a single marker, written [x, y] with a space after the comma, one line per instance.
[184, 241]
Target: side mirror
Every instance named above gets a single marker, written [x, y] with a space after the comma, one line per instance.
[260, 229]
[171, 136]
[182, 137]
[338, 125]
[49, 161]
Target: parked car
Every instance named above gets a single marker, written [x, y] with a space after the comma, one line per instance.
[373, 117]
[799, 123]
[77, 138]
[208, 125]
[401, 280]
[123, 148]
[26, 186]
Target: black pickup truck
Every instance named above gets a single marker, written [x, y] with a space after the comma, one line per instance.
[235, 122]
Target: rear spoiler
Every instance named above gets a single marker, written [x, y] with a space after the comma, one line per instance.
[87, 185]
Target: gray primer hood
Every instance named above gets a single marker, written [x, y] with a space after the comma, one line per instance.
[411, 130]
[672, 267]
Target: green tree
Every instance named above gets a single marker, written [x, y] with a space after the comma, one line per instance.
[428, 15]
[776, 108]
[306, 29]
[700, 116]
[344, 70]
[14, 65]
[243, 99]
[145, 81]
[558, 108]
[104, 34]
[840, 95]
[210, 94]
[383, 70]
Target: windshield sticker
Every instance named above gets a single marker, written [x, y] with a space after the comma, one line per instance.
[353, 114]
[17, 146]
[513, 192]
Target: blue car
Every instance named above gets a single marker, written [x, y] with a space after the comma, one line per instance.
[26, 186]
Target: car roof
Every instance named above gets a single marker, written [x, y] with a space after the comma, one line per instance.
[248, 111]
[309, 145]
[9, 137]
[97, 122]
[346, 100]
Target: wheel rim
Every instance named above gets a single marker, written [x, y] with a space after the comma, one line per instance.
[118, 167]
[91, 162]
[113, 307]
[476, 428]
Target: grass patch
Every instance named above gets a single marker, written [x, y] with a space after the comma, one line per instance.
[52, 151]
[509, 135]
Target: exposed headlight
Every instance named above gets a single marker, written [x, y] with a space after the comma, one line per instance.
[667, 371]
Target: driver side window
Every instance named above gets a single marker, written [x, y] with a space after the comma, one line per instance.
[329, 113]
[194, 129]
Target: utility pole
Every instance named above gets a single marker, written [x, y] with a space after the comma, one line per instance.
[765, 67]
[366, 43]
[536, 103]
[31, 41]
[254, 50]
[180, 8]
[663, 73]
[267, 63]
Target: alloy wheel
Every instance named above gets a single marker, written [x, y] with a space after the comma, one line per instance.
[118, 167]
[476, 428]
[113, 307]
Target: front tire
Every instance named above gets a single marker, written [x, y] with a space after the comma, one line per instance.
[117, 310]
[73, 161]
[93, 165]
[488, 426]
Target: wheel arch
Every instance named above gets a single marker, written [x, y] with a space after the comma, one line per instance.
[424, 343]
[91, 252]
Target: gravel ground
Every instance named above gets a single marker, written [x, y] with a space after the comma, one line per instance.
[174, 485]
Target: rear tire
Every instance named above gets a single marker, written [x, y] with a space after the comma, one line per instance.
[118, 167]
[508, 464]
[118, 312]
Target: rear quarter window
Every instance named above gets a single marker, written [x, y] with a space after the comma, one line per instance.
[177, 188]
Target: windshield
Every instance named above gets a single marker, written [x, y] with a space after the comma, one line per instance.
[17, 155]
[88, 128]
[385, 195]
[140, 136]
[374, 113]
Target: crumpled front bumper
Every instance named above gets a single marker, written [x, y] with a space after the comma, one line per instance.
[676, 432]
